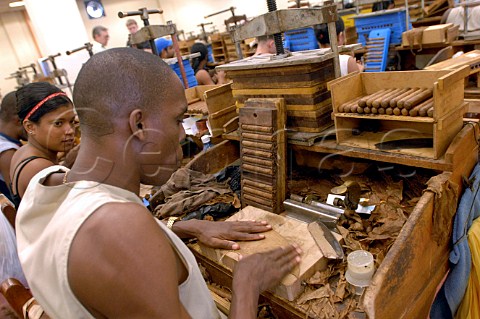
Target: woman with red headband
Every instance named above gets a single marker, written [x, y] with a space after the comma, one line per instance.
[48, 118]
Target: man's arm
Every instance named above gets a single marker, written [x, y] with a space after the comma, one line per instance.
[121, 265]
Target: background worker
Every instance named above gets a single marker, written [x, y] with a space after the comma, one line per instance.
[165, 48]
[199, 65]
[132, 27]
[348, 64]
[11, 131]
[115, 259]
[100, 36]
[265, 45]
[48, 118]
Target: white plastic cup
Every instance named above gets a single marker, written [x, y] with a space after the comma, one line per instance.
[360, 269]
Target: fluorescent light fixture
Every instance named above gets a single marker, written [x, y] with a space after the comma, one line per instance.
[16, 4]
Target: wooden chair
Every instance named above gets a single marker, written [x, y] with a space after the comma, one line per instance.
[19, 297]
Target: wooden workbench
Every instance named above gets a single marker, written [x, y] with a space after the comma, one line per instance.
[418, 260]
[407, 54]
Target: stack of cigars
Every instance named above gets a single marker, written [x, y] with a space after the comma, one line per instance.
[406, 102]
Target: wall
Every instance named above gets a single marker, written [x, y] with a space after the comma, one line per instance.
[17, 47]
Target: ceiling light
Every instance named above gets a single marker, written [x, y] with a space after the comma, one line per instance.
[16, 4]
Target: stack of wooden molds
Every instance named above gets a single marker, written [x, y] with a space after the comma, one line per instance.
[262, 151]
[303, 86]
[374, 108]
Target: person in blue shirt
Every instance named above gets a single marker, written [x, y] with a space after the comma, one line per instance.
[11, 131]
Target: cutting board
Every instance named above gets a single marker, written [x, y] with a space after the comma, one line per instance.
[284, 231]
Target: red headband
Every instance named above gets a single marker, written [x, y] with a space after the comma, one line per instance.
[39, 104]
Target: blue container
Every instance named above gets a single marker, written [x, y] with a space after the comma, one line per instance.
[393, 19]
[192, 81]
[301, 40]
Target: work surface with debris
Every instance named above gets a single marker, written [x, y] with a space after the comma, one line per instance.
[394, 190]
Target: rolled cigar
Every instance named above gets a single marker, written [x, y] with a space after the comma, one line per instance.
[363, 101]
[374, 110]
[425, 95]
[378, 101]
[430, 112]
[393, 102]
[359, 110]
[346, 108]
[381, 110]
[386, 100]
[404, 112]
[414, 111]
[397, 111]
[389, 111]
[377, 95]
[401, 102]
[353, 107]
[341, 108]
[423, 111]
[366, 110]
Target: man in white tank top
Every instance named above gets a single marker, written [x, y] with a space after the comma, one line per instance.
[348, 64]
[88, 246]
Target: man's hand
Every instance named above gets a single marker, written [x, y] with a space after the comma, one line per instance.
[256, 273]
[222, 234]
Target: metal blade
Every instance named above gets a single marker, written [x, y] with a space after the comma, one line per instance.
[325, 240]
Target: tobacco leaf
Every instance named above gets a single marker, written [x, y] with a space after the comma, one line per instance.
[322, 292]
[341, 291]
[321, 277]
[395, 192]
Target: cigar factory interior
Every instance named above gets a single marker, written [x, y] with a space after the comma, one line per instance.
[271, 159]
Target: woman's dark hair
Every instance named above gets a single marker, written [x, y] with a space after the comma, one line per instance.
[31, 94]
[321, 31]
[202, 49]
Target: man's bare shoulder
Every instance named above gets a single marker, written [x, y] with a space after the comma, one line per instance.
[119, 247]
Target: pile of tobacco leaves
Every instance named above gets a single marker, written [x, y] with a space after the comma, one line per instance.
[394, 191]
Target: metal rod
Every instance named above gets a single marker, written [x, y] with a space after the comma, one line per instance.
[226, 10]
[407, 15]
[87, 46]
[176, 48]
[327, 214]
[137, 13]
[277, 37]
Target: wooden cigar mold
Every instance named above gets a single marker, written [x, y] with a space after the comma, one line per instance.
[395, 102]
[263, 148]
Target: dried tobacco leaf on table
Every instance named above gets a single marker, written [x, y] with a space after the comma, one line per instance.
[327, 294]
